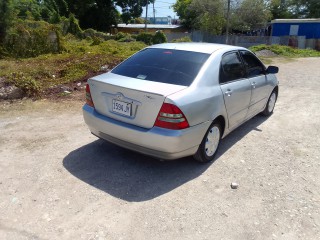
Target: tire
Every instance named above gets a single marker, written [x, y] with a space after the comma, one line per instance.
[268, 110]
[209, 145]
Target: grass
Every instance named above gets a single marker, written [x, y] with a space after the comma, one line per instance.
[81, 60]
[286, 51]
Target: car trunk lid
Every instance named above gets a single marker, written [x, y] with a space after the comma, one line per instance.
[129, 100]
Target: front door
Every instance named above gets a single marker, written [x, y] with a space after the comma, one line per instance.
[236, 89]
[256, 74]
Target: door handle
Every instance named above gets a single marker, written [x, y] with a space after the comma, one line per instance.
[253, 85]
[228, 92]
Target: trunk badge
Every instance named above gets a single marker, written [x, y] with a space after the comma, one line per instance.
[148, 97]
[119, 96]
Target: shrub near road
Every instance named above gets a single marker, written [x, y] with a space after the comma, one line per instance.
[286, 51]
[82, 59]
[41, 59]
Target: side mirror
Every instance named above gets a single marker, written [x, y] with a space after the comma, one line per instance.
[272, 70]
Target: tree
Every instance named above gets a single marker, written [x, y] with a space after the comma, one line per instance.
[186, 14]
[206, 15]
[306, 8]
[96, 14]
[132, 9]
[52, 10]
[250, 15]
[210, 15]
[280, 9]
[27, 9]
[138, 20]
[6, 17]
[294, 8]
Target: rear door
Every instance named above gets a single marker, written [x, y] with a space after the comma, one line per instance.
[236, 88]
[256, 74]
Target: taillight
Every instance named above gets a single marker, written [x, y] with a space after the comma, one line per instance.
[88, 96]
[171, 117]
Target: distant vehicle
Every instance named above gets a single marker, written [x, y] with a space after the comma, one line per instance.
[179, 99]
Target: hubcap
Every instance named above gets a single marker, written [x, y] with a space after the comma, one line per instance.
[212, 141]
[272, 102]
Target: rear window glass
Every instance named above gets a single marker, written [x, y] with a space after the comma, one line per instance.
[163, 65]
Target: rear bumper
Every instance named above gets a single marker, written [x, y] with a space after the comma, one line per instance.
[156, 142]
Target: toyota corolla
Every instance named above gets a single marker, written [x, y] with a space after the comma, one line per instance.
[179, 99]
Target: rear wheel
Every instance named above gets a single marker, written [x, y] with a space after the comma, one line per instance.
[270, 104]
[209, 145]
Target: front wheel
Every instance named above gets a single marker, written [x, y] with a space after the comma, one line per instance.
[209, 145]
[270, 104]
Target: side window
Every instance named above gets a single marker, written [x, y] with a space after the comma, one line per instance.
[253, 65]
[231, 67]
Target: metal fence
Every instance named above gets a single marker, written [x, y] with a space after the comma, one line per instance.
[248, 41]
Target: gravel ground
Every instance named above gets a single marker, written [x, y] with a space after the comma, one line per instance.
[57, 181]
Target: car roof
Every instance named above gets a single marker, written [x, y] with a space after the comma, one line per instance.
[196, 47]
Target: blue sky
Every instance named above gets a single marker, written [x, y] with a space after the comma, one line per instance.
[163, 9]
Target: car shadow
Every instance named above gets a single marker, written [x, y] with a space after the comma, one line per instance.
[134, 177]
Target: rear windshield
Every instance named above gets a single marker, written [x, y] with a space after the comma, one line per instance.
[163, 65]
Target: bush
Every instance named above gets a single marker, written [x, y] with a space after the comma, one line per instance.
[71, 25]
[91, 33]
[32, 38]
[183, 39]
[44, 74]
[159, 37]
[27, 84]
[96, 41]
[147, 38]
[124, 37]
[3, 52]
[286, 51]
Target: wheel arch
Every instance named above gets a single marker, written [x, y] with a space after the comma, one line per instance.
[222, 122]
[276, 89]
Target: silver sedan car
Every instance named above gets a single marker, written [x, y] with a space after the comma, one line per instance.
[179, 99]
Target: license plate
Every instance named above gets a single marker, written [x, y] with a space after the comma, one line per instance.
[121, 107]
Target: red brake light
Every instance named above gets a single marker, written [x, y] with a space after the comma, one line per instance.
[171, 117]
[88, 96]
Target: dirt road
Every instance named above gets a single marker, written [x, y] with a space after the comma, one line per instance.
[57, 181]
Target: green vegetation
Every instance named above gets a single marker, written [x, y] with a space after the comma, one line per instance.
[183, 39]
[80, 60]
[250, 15]
[39, 56]
[203, 15]
[209, 15]
[29, 38]
[97, 14]
[149, 38]
[159, 37]
[286, 51]
[244, 15]
[32, 38]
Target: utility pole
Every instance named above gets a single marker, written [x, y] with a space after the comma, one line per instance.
[145, 27]
[228, 17]
[154, 14]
